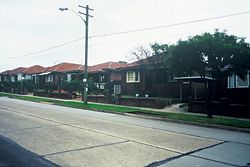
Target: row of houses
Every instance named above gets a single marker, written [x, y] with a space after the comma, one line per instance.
[145, 77]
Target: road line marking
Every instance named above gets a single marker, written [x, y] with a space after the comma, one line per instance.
[104, 133]
[148, 127]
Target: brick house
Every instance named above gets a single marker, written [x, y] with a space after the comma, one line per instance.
[148, 77]
[4, 76]
[33, 72]
[16, 74]
[105, 75]
[60, 73]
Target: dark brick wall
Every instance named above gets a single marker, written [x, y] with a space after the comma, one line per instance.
[222, 107]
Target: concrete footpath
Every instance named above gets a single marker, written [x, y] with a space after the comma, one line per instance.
[11, 154]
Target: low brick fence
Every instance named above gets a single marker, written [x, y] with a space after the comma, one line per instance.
[221, 108]
[137, 101]
[62, 95]
[140, 102]
[148, 102]
[99, 99]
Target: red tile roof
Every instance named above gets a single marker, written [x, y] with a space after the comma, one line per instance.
[17, 71]
[5, 72]
[64, 67]
[36, 69]
[108, 65]
[147, 61]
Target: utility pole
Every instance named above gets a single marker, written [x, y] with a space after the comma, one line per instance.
[85, 79]
[86, 21]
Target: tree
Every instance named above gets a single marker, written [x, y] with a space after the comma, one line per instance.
[140, 53]
[210, 54]
[150, 57]
[216, 55]
[73, 86]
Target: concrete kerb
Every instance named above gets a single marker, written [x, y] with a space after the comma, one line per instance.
[190, 123]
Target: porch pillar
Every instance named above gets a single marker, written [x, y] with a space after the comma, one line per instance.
[195, 91]
[181, 91]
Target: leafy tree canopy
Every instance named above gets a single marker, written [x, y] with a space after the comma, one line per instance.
[215, 54]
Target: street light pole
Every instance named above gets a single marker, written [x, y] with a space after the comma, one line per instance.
[86, 21]
[21, 85]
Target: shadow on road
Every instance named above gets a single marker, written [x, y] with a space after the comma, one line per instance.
[12, 154]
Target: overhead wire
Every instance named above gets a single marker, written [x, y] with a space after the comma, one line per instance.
[126, 32]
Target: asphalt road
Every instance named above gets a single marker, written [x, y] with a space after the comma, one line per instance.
[74, 137]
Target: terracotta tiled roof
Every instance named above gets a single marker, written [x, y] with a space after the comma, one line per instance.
[36, 69]
[5, 72]
[64, 67]
[147, 61]
[108, 65]
[17, 71]
[129, 66]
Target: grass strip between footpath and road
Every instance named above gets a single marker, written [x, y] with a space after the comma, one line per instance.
[216, 120]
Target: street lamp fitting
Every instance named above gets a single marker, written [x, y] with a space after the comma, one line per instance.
[63, 9]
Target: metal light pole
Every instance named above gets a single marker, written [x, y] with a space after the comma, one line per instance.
[22, 78]
[86, 21]
[21, 85]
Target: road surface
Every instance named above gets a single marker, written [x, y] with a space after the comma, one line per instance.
[74, 137]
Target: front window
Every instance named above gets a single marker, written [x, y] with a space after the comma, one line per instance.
[102, 78]
[49, 78]
[133, 76]
[68, 77]
[19, 77]
[242, 83]
[230, 82]
[12, 78]
[28, 77]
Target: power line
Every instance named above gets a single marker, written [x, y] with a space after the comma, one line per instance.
[130, 31]
[170, 25]
[172, 35]
[44, 50]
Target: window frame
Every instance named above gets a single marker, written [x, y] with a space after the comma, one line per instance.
[134, 73]
[247, 80]
[233, 83]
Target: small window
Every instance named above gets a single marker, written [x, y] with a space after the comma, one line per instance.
[19, 77]
[28, 77]
[230, 82]
[12, 78]
[133, 76]
[49, 78]
[117, 89]
[68, 77]
[102, 78]
[240, 83]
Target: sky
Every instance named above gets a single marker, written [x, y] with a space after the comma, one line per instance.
[28, 26]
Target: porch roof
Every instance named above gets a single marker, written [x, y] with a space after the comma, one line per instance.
[45, 73]
[194, 79]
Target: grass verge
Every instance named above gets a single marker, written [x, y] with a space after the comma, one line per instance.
[122, 109]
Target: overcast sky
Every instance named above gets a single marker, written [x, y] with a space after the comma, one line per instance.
[29, 26]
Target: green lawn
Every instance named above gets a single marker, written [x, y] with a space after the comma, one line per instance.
[122, 109]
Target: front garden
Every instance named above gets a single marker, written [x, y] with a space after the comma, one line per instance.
[73, 90]
[185, 118]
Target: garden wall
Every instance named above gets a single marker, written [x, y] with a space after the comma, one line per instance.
[221, 108]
